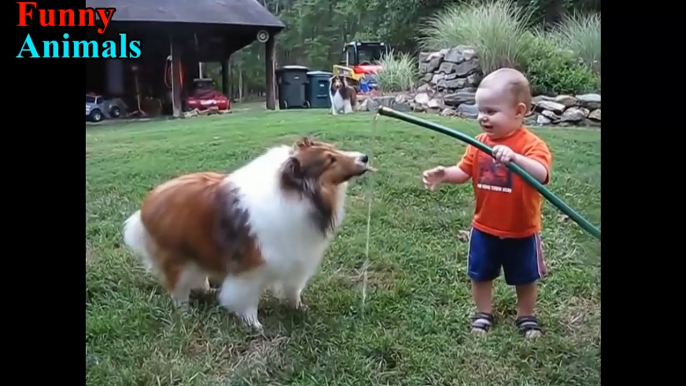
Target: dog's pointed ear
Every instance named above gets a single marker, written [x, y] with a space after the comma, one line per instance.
[304, 143]
[292, 172]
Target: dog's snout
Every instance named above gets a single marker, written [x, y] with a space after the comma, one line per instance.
[364, 158]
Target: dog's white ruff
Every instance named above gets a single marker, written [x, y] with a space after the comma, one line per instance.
[290, 243]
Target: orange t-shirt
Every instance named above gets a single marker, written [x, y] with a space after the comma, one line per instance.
[506, 205]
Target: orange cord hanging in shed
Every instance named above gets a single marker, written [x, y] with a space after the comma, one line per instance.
[168, 72]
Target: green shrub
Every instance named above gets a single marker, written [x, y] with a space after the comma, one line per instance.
[553, 71]
[399, 72]
[495, 28]
[581, 34]
[565, 60]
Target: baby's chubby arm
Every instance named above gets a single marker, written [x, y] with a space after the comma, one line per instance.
[442, 174]
[533, 167]
[455, 175]
[537, 170]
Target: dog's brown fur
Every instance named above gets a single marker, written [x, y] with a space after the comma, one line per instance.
[347, 92]
[196, 220]
[188, 220]
[314, 172]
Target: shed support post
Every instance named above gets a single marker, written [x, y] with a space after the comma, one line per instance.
[226, 77]
[176, 53]
[270, 59]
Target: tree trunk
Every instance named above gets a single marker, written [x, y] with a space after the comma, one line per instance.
[553, 12]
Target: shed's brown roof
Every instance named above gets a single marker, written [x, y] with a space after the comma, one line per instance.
[227, 12]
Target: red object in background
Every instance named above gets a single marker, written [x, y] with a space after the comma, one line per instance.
[366, 69]
[205, 96]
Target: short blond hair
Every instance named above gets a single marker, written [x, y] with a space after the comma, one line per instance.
[513, 82]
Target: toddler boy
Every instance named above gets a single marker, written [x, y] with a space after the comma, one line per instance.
[507, 219]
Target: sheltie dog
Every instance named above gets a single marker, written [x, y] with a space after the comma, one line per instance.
[343, 97]
[264, 225]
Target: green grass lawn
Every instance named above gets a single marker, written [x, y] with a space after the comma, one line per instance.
[414, 327]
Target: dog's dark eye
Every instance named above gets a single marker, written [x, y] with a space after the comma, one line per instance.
[332, 159]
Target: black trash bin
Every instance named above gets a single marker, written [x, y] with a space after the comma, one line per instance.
[318, 89]
[292, 81]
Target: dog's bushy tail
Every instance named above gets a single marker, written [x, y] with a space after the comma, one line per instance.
[136, 238]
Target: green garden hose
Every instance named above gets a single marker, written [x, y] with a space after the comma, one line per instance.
[585, 224]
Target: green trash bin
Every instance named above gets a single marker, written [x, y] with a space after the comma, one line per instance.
[292, 82]
[318, 89]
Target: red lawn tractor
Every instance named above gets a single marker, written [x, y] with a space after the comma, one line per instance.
[359, 63]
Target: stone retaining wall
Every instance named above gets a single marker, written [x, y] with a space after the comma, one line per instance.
[447, 86]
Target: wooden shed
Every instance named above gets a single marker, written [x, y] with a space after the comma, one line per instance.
[177, 35]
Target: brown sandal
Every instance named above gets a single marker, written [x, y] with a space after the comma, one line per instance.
[482, 322]
[528, 326]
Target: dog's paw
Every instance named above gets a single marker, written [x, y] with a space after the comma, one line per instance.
[256, 327]
[251, 322]
[300, 306]
[297, 305]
